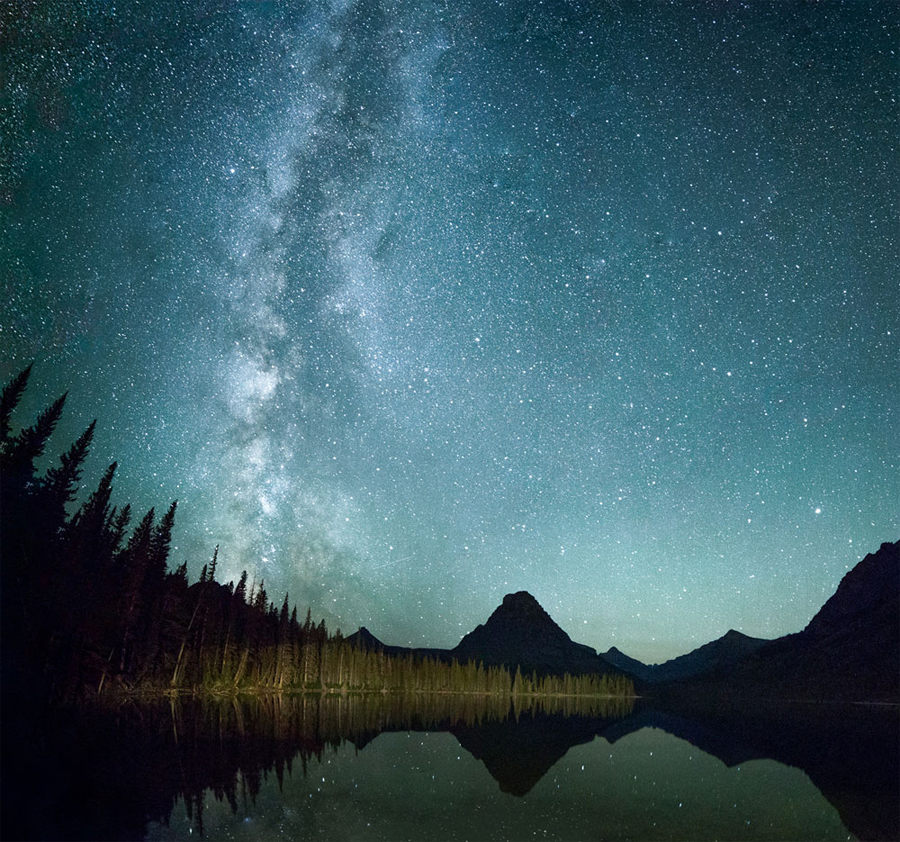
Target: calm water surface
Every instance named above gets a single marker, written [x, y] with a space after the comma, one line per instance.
[648, 785]
[446, 768]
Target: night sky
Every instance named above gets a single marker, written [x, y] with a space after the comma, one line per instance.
[414, 304]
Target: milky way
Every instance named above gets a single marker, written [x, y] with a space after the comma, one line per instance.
[415, 304]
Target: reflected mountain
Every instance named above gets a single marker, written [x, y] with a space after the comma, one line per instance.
[850, 752]
[109, 775]
[518, 753]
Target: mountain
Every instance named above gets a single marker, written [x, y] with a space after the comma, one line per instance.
[520, 633]
[848, 751]
[362, 638]
[867, 597]
[728, 649]
[850, 650]
[519, 752]
[637, 668]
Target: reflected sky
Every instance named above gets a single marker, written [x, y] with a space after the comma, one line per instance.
[648, 785]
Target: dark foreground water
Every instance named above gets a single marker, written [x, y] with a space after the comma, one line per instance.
[457, 768]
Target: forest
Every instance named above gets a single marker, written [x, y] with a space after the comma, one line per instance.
[91, 608]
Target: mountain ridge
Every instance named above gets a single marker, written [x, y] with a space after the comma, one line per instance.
[518, 633]
[849, 650]
[724, 650]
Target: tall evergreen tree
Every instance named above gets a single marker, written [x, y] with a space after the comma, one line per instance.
[162, 540]
[211, 572]
[93, 514]
[17, 485]
[156, 591]
[135, 560]
[114, 532]
[17, 458]
[59, 485]
[21, 546]
[9, 400]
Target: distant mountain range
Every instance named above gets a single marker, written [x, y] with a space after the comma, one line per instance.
[850, 650]
[728, 649]
[364, 639]
[518, 634]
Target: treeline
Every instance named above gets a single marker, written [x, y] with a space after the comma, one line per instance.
[232, 643]
[89, 608]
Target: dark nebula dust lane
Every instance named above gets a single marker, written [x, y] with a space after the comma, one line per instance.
[414, 304]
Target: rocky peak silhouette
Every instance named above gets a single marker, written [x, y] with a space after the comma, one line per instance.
[521, 633]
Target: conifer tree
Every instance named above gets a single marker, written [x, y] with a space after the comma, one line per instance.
[9, 400]
[22, 549]
[162, 541]
[234, 626]
[59, 485]
[211, 573]
[158, 587]
[17, 458]
[93, 514]
[283, 643]
[135, 560]
[114, 533]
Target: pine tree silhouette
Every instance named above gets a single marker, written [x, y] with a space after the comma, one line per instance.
[9, 400]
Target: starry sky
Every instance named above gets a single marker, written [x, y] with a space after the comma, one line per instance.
[413, 304]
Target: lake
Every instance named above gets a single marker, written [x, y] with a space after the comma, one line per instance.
[389, 768]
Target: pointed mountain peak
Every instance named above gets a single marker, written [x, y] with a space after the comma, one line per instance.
[364, 638]
[520, 632]
[521, 604]
[520, 599]
[619, 659]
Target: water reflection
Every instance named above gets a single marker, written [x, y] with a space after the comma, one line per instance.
[421, 785]
[385, 767]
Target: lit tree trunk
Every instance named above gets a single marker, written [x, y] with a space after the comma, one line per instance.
[184, 640]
